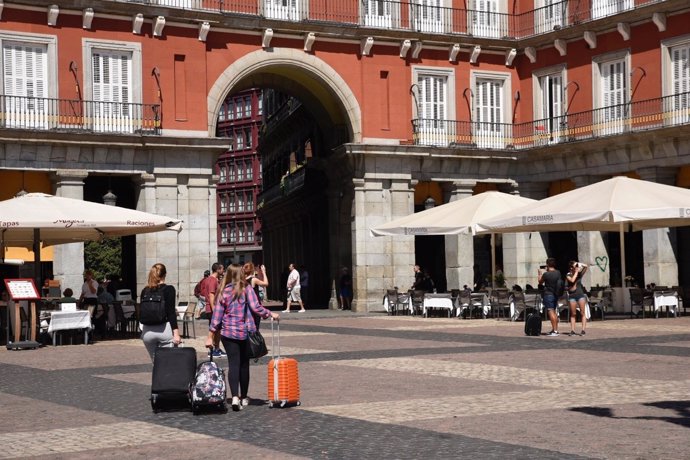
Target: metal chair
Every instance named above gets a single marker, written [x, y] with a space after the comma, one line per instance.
[417, 297]
[640, 300]
[466, 303]
[500, 301]
[599, 299]
[393, 302]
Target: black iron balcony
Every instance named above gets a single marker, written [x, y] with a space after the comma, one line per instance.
[36, 113]
[614, 120]
[416, 16]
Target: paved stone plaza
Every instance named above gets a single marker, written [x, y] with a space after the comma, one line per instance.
[375, 387]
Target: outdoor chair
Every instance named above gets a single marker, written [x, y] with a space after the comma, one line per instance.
[532, 300]
[599, 299]
[518, 305]
[122, 323]
[500, 301]
[417, 297]
[684, 292]
[467, 305]
[187, 319]
[639, 300]
[395, 302]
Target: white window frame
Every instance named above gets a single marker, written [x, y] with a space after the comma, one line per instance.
[443, 134]
[676, 110]
[89, 46]
[483, 137]
[431, 18]
[232, 203]
[223, 173]
[286, 10]
[603, 8]
[603, 126]
[495, 23]
[549, 134]
[380, 13]
[40, 119]
[224, 234]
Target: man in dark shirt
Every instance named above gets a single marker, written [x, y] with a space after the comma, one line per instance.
[418, 278]
[552, 280]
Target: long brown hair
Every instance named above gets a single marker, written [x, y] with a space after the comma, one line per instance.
[156, 275]
[249, 269]
[235, 277]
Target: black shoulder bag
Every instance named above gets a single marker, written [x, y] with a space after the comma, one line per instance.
[256, 343]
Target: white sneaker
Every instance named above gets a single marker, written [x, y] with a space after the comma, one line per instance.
[553, 334]
[245, 402]
[236, 406]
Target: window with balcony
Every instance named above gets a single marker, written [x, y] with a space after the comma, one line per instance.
[435, 107]
[25, 83]
[378, 13]
[549, 110]
[282, 9]
[487, 19]
[611, 94]
[676, 79]
[430, 16]
[491, 108]
[603, 8]
[550, 15]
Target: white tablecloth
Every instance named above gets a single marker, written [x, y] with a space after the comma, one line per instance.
[667, 299]
[63, 320]
[438, 301]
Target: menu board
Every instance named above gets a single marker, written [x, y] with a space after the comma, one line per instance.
[22, 289]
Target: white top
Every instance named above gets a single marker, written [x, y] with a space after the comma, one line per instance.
[293, 279]
[86, 292]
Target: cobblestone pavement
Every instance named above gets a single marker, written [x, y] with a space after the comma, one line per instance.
[374, 387]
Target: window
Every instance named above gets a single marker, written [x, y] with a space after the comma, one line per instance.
[486, 20]
[250, 201]
[249, 170]
[491, 104]
[232, 172]
[611, 95]
[224, 234]
[233, 234]
[435, 104]
[248, 137]
[240, 201]
[27, 62]
[248, 106]
[378, 13]
[222, 113]
[230, 109]
[112, 81]
[238, 108]
[223, 172]
[241, 233]
[676, 79]
[602, 8]
[550, 15]
[239, 166]
[223, 203]
[260, 105]
[282, 9]
[549, 109]
[232, 202]
[429, 15]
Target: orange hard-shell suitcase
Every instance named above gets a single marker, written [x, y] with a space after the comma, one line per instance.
[283, 378]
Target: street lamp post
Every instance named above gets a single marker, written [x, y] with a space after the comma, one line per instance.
[234, 241]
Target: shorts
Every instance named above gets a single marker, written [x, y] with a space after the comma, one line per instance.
[294, 294]
[346, 292]
[550, 302]
[575, 297]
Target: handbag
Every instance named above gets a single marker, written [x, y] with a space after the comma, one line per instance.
[256, 344]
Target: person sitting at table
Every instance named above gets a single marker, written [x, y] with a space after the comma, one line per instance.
[67, 296]
[89, 290]
[105, 299]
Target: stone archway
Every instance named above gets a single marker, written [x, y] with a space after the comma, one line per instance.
[335, 97]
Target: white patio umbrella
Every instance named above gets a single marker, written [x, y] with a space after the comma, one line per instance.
[455, 217]
[615, 204]
[66, 220]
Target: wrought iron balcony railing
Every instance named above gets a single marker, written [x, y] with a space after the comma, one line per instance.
[420, 16]
[638, 116]
[40, 113]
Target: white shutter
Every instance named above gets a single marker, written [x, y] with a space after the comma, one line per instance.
[613, 97]
[433, 93]
[680, 62]
[111, 74]
[485, 20]
[488, 102]
[25, 71]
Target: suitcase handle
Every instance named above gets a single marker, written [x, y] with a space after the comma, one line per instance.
[273, 338]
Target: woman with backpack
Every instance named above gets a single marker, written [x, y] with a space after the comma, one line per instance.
[157, 312]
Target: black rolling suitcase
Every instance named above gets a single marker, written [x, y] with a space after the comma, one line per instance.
[533, 324]
[173, 373]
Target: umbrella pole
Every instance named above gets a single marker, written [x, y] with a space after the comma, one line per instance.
[37, 257]
[493, 261]
[621, 232]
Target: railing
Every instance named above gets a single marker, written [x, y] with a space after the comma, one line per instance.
[21, 112]
[415, 15]
[608, 121]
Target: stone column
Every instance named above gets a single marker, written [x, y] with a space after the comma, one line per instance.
[68, 261]
[523, 253]
[380, 262]
[592, 249]
[198, 240]
[659, 245]
[460, 248]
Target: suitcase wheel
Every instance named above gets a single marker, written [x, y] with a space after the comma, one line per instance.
[270, 404]
[299, 403]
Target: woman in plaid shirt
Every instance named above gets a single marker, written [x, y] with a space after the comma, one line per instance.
[232, 321]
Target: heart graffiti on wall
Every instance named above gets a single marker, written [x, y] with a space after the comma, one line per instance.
[602, 262]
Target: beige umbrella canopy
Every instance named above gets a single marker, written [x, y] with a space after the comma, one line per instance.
[459, 216]
[616, 204]
[65, 220]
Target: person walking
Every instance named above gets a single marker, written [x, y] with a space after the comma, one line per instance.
[255, 283]
[576, 295]
[345, 289]
[200, 299]
[550, 278]
[209, 287]
[294, 289]
[230, 322]
[167, 333]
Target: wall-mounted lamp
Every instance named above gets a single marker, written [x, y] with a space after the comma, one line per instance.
[309, 40]
[464, 93]
[365, 46]
[137, 22]
[266, 38]
[204, 27]
[453, 52]
[87, 18]
[53, 12]
[429, 202]
[417, 49]
[405, 46]
[74, 70]
[110, 198]
[158, 25]
[474, 55]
